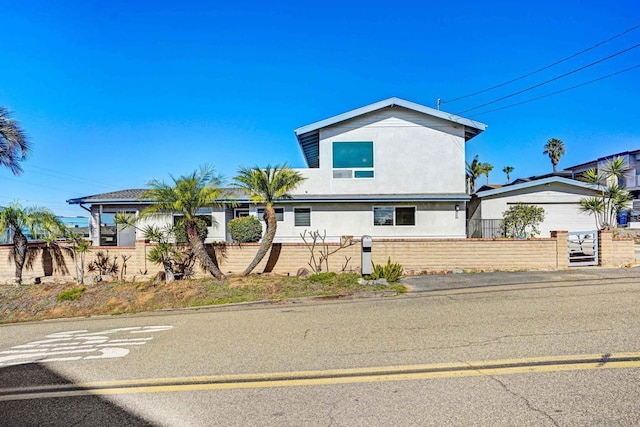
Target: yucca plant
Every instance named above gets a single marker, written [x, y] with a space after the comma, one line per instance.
[613, 197]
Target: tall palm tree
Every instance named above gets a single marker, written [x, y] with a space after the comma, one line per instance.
[267, 186]
[555, 149]
[508, 170]
[474, 170]
[33, 218]
[14, 146]
[486, 168]
[187, 195]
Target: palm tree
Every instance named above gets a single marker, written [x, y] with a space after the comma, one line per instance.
[555, 149]
[18, 218]
[267, 186]
[508, 170]
[187, 195]
[474, 170]
[13, 143]
[486, 168]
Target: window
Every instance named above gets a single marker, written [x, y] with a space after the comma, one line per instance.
[206, 218]
[240, 212]
[406, 216]
[302, 217]
[383, 216]
[389, 215]
[108, 230]
[353, 159]
[279, 214]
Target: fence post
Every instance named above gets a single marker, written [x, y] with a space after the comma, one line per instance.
[605, 248]
[562, 254]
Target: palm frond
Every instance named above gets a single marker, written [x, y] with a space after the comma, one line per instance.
[14, 144]
[269, 184]
[187, 194]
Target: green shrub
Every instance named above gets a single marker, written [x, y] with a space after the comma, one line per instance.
[71, 294]
[521, 221]
[391, 272]
[245, 229]
[181, 234]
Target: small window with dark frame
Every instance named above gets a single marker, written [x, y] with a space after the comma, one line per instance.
[302, 217]
[406, 216]
[279, 214]
[390, 216]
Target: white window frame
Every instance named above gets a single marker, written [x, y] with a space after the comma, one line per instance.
[350, 173]
[394, 222]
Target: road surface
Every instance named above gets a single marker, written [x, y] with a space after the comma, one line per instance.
[562, 354]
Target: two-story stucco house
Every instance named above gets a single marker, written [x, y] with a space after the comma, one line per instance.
[392, 169]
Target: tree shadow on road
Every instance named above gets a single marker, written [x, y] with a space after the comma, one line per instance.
[21, 407]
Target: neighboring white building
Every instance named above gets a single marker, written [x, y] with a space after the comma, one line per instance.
[393, 169]
[558, 196]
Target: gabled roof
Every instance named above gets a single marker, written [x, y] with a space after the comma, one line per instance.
[535, 183]
[308, 136]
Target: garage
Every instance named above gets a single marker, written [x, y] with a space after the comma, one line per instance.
[558, 196]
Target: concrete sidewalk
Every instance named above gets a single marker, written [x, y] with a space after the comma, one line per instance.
[439, 282]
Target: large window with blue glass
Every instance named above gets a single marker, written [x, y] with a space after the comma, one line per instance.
[353, 159]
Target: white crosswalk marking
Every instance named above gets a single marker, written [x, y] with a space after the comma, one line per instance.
[79, 345]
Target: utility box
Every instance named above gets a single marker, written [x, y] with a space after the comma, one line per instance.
[366, 266]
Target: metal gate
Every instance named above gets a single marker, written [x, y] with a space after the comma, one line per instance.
[582, 248]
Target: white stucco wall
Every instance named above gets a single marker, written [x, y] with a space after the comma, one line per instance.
[434, 220]
[216, 231]
[413, 153]
[560, 202]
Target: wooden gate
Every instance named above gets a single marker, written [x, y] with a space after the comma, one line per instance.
[582, 248]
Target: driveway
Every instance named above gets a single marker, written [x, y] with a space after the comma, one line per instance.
[439, 282]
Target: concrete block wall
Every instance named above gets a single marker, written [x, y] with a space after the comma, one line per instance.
[416, 256]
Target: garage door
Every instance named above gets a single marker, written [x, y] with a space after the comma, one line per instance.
[563, 216]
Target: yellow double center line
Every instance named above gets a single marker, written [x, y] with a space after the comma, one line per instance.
[330, 377]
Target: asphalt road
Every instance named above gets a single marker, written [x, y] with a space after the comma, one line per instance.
[562, 352]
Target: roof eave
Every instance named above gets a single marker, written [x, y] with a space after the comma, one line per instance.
[391, 102]
[83, 201]
[535, 183]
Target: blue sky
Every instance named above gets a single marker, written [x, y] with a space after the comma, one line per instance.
[114, 94]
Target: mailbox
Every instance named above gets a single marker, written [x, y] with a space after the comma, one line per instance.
[366, 267]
